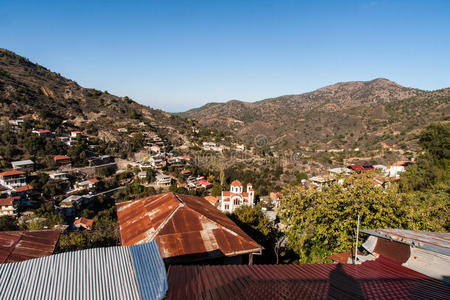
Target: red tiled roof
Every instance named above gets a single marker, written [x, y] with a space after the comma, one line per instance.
[60, 157]
[94, 180]
[204, 182]
[181, 225]
[22, 245]
[236, 183]
[378, 279]
[8, 201]
[84, 222]
[43, 131]
[23, 188]
[11, 173]
[211, 199]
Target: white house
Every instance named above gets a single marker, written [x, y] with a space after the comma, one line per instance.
[7, 206]
[23, 165]
[236, 197]
[12, 179]
[163, 180]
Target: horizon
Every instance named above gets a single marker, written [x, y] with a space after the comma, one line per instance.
[177, 56]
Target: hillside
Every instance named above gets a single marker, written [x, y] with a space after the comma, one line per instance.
[30, 90]
[366, 115]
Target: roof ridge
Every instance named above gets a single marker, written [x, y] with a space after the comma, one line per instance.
[222, 225]
[164, 223]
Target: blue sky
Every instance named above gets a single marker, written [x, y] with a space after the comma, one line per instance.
[176, 55]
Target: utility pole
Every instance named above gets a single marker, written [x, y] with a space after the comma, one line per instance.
[356, 246]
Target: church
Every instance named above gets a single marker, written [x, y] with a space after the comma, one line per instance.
[236, 197]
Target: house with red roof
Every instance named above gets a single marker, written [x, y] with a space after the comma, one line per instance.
[236, 197]
[62, 160]
[84, 223]
[43, 132]
[13, 178]
[8, 206]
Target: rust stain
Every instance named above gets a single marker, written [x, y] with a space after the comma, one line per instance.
[18, 246]
[182, 225]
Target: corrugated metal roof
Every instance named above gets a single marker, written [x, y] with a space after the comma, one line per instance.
[434, 241]
[135, 272]
[182, 225]
[22, 245]
[379, 279]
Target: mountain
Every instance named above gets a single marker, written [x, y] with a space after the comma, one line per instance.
[28, 89]
[345, 115]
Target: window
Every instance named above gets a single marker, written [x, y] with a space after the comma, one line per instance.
[237, 202]
[227, 207]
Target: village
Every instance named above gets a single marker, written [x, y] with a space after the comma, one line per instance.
[154, 168]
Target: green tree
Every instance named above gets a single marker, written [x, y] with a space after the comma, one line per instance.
[216, 189]
[320, 223]
[253, 222]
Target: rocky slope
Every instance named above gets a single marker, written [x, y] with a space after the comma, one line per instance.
[28, 89]
[340, 116]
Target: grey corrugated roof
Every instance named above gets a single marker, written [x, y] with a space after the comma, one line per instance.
[22, 162]
[133, 272]
[434, 241]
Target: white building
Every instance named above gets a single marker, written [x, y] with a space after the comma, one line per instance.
[12, 179]
[23, 165]
[236, 197]
[7, 206]
[163, 180]
[59, 176]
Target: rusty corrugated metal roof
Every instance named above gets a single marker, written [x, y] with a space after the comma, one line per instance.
[434, 241]
[182, 225]
[18, 246]
[379, 279]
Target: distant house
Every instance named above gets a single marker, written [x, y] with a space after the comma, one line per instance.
[157, 162]
[74, 203]
[339, 171]
[204, 184]
[187, 229]
[13, 178]
[361, 168]
[240, 147]
[59, 176]
[84, 223]
[8, 205]
[236, 197]
[23, 189]
[62, 160]
[275, 197]
[142, 175]
[75, 134]
[155, 149]
[43, 133]
[23, 165]
[209, 146]
[163, 180]
[321, 180]
[87, 184]
[396, 169]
